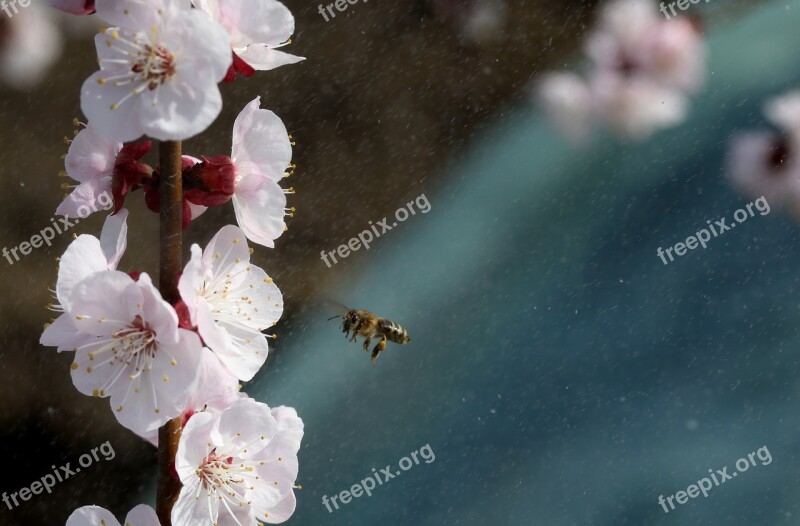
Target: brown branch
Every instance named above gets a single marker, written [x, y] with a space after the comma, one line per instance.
[170, 266]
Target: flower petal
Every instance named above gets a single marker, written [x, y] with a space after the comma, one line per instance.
[92, 516]
[244, 428]
[260, 210]
[142, 515]
[260, 143]
[264, 58]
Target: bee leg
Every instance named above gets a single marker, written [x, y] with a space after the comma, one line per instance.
[378, 349]
[366, 344]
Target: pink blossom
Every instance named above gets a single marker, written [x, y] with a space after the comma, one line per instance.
[141, 515]
[231, 301]
[238, 467]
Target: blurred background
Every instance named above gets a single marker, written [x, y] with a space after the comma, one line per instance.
[561, 374]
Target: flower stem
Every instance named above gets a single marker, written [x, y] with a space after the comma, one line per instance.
[171, 197]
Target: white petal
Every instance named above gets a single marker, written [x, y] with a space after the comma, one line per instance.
[200, 44]
[83, 257]
[190, 284]
[245, 428]
[282, 510]
[265, 22]
[135, 15]
[104, 302]
[264, 306]
[114, 237]
[121, 124]
[189, 510]
[92, 516]
[216, 389]
[182, 107]
[260, 211]
[260, 143]
[63, 334]
[157, 313]
[142, 515]
[226, 255]
[243, 351]
[263, 58]
[193, 446]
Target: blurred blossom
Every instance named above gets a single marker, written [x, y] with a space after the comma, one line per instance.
[30, 42]
[643, 69]
[477, 22]
[768, 163]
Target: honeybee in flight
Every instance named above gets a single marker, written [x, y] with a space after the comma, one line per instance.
[366, 324]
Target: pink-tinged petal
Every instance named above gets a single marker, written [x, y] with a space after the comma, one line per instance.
[142, 515]
[182, 107]
[197, 210]
[216, 389]
[121, 124]
[92, 516]
[264, 22]
[260, 212]
[63, 334]
[260, 143]
[191, 510]
[114, 237]
[193, 446]
[245, 428]
[263, 58]
[85, 198]
[83, 257]
[104, 302]
[157, 313]
[91, 156]
[135, 15]
[282, 511]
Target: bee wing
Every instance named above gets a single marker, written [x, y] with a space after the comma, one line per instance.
[334, 306]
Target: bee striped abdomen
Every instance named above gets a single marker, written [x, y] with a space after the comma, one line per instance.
[393, 331]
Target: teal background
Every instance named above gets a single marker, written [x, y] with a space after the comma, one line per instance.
[559, 371]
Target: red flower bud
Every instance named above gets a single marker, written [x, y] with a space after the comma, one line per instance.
[210, 182]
